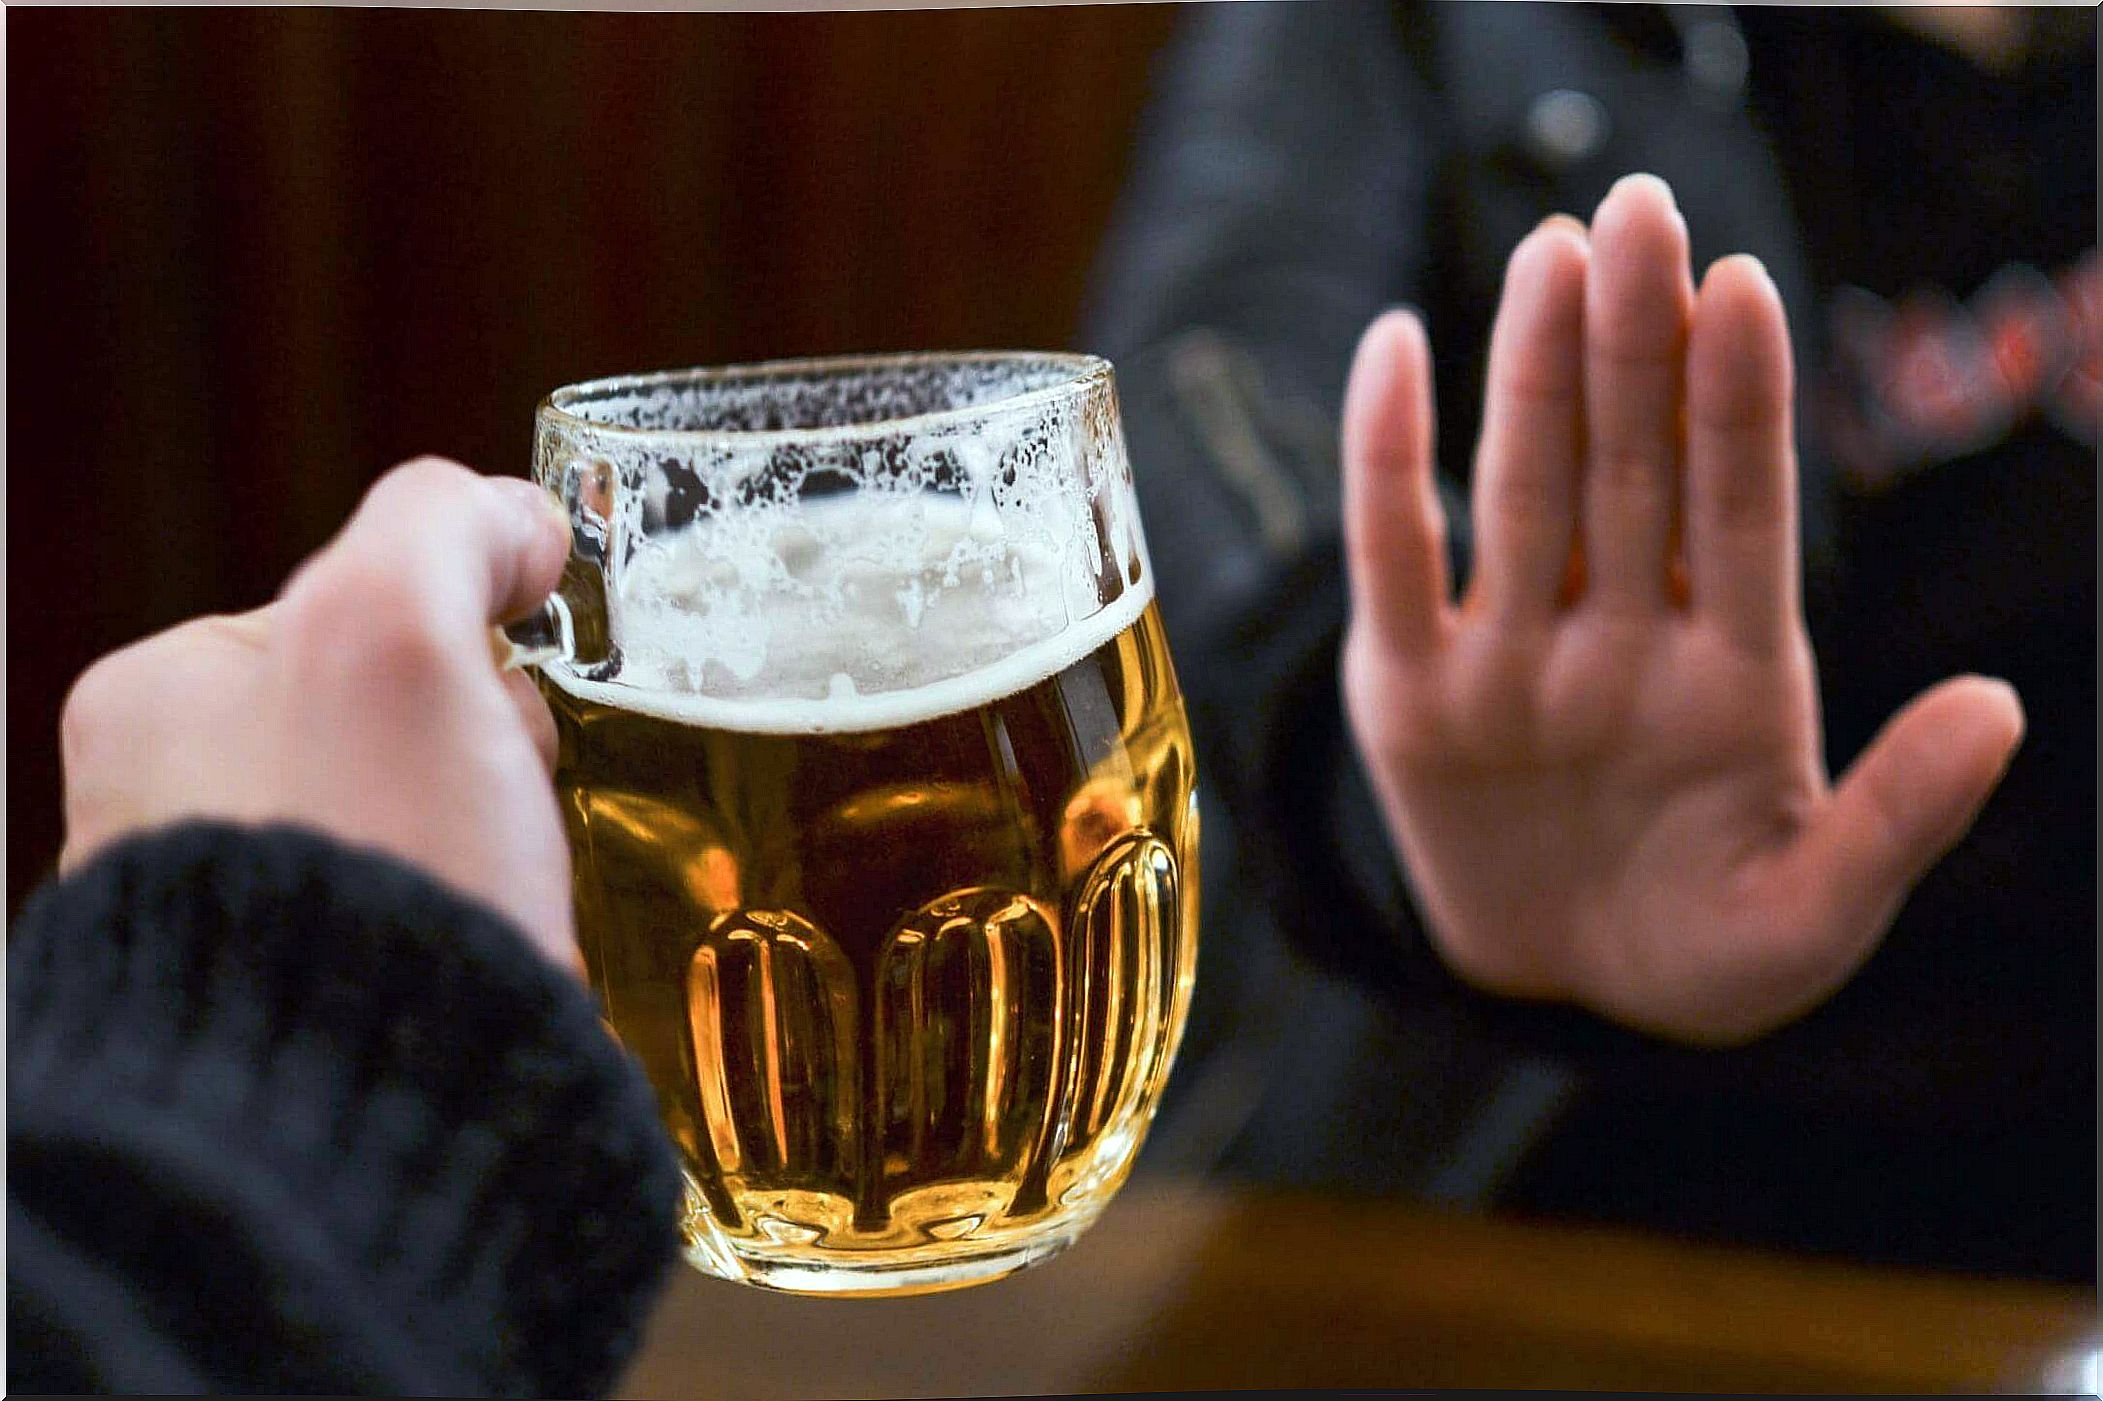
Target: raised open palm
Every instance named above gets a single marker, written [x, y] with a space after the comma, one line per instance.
[1601, 767]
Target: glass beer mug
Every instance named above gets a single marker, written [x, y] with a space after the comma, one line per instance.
[879, 792]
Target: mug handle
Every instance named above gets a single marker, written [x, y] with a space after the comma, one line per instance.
[546, 635]
[571, 624]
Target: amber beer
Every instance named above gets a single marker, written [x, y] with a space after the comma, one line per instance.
[907, 975]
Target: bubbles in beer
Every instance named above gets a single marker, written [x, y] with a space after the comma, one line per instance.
[899, 987]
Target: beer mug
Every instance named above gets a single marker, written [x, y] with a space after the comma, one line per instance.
[880, 797]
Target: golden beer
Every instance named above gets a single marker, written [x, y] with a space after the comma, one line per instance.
[906, 994]
[879, 799]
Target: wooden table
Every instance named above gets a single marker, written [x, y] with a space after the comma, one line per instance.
[1181, 1287]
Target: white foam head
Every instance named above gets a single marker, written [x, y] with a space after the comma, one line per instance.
[804, 570]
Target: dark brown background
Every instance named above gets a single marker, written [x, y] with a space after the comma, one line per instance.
[254, 257]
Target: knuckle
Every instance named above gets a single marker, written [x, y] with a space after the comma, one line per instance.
[1731, 411]
[1746, 496]
[248, 632]
[1734, 499]
[92, 708]
[1539, 388]
[122, 689]
[428, 471]
[1887, 827]
[1639, 347]
[1525, 497]
[418, 485]
[107, 697]
[1626, 471]
[362, 618]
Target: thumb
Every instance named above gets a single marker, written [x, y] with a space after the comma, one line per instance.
[1912, 794]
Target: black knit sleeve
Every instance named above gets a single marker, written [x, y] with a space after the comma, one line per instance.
[287, 1117]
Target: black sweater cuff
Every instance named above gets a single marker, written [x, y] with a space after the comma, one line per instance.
[325, 1124]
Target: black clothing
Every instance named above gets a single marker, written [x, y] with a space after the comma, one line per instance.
[1307, 164]
[284, 1116]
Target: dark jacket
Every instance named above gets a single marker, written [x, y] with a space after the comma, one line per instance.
[1305, 165]
[284, 1117]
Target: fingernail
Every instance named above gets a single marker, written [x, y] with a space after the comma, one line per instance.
[1570, 222]
[1643, 178]
[1397, 315]
[1749, 263]
[1405, 311]
[2007, 689]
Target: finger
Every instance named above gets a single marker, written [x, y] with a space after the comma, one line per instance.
[1526, 463]
[1741, 544]
[1394, 528]
[1909, 798]
[459, 550]
[1637, 302]
[533, 713]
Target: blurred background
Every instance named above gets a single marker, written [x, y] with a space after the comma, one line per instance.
[257, 256]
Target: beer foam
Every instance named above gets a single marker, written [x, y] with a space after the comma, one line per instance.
[846, 545]
[851, 615]
[844, 709]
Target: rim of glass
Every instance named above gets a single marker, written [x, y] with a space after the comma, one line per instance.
[1087, 373]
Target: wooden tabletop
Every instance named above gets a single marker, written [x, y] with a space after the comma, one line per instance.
[1181, 1287]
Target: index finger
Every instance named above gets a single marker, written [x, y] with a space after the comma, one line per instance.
[460, 550]
[1394, 530]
